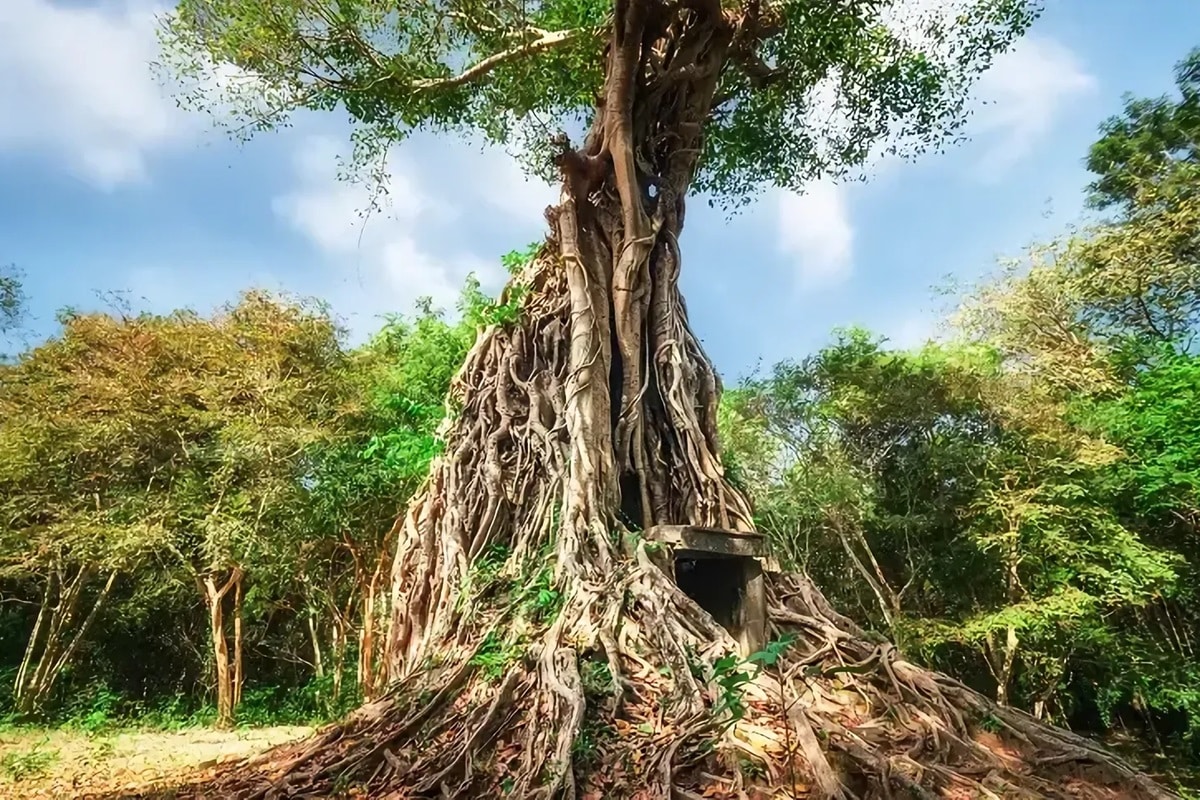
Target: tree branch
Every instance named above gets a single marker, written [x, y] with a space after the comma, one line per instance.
[546, 40]
[758, 71]
[757, 22]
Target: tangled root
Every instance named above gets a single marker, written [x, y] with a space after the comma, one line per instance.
[645, 715]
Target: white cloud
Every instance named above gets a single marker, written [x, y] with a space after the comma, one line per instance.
[913, 331]
[1017, 101]
[77, 86]
[815, 230]
[912, 21]
[501, 183]
[1027, 90]
[386, 251]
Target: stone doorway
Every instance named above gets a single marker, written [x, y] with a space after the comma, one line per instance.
[723, 572]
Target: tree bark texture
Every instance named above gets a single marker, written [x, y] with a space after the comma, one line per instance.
[371, 581]
[227, 671]
[589, 419]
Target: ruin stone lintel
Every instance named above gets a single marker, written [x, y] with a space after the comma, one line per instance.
[713, 541]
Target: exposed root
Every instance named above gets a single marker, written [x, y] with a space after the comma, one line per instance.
[856, 721]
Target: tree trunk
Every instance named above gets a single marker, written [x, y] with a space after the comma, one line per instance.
[45, 658]
[216, 629]
[1000, 661]
[21, 683]
[590, 418]
[888, 601]
[228, 676]
[338, 647]
[370, 660]
[1014, 593]
[366, 646]
[67, 589]
[318, 660]
[237, 643]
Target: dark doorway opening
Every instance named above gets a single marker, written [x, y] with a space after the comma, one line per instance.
[716, 584]
[631, 501]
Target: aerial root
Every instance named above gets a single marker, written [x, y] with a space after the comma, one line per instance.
[862, 722]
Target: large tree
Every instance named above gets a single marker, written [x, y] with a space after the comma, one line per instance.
[533, 634]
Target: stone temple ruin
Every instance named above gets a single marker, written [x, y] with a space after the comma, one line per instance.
[723, 572]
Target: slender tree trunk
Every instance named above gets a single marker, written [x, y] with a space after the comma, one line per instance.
[216, 630]
[1014, 592]
[237, 643]
[21, 684]
[370, 660]
[338, 649]
[69, 588]
[56, 668]
[1001, 659]
[1049, 689]
[227, 674]
[366, 645]
[48, 657]
[318, 661]
[889, 604]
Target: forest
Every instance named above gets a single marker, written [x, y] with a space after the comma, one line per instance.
[199, 511]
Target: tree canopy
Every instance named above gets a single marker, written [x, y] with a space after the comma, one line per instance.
[142, 456]
[1154, 141]
[807, 89]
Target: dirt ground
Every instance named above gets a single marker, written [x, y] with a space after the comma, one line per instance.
[38, 763]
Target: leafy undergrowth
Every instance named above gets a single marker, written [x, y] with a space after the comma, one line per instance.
[59, 763]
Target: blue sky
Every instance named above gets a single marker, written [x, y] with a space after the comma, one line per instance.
[106, 186]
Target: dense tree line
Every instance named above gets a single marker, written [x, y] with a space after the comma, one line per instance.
[199, 511]
[194, 504]
[1020, 502]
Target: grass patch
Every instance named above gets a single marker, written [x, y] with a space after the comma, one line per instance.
[20, 765]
